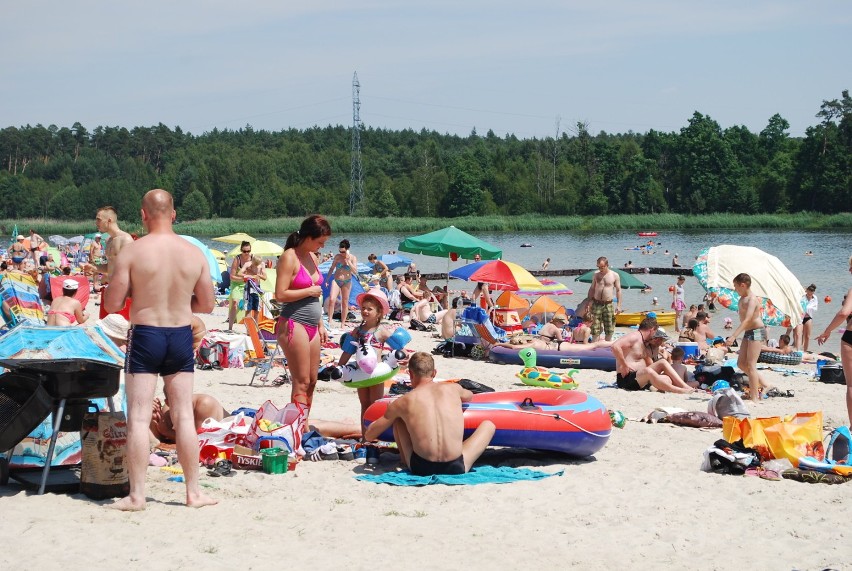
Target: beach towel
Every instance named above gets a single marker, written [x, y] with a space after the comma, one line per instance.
[477, 475]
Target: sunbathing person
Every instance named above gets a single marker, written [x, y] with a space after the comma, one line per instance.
[551, 332]
[783, 348]
[66, 310]
[635, 370]
[521, 340]
[583, 332]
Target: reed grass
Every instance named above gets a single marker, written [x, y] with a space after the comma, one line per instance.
[522, 223]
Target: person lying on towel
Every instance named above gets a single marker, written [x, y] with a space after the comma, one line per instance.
[428, 426]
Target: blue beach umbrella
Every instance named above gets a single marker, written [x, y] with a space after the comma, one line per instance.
[393, 261]
[212, 264]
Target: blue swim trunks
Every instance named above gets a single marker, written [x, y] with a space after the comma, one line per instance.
[159, 350]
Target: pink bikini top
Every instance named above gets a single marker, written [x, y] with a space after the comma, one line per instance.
[303, 279]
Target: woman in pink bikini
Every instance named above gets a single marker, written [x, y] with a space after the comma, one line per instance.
[300, 328]
[66, 310]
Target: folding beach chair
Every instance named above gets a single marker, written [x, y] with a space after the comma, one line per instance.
[266, 353]
[21, 302]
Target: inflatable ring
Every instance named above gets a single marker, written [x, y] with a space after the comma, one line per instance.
[540, 377]
[794, 358]
[367, 370]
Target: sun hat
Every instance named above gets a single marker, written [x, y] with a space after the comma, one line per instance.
[20, 237]
[98, 235]
[114, 325]
[70, 284]
[378, 295]
[560, 317]
[660, 334]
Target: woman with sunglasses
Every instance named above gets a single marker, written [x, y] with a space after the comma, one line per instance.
[300, 329]
[238, 285]
[344, 267]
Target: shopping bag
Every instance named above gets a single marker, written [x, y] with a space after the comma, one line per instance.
[104, 442]
[285, 425]
[797, 437]
[772, 437]
[225, 433]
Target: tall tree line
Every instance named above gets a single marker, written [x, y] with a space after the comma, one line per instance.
[67, 173]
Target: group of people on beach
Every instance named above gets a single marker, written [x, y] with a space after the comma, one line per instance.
[426, 422]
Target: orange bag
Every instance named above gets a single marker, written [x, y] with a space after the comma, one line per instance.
[772, 437]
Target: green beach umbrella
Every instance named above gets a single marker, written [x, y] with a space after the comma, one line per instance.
[442, 243]
[628, 281]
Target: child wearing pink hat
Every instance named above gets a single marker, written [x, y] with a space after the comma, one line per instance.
[374, 306]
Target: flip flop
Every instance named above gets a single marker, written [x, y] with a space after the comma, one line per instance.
[221, 468]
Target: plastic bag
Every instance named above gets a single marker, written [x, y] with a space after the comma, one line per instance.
[791, 438]
[285, 424]
[223, 434]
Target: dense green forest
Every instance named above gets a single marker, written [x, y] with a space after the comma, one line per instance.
[67, 173]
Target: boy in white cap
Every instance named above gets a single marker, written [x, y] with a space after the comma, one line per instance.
[65, 309]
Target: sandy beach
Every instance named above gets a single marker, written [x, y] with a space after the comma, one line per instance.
[641, 502]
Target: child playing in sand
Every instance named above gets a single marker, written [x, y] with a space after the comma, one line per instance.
[374, 306]
[254, 272]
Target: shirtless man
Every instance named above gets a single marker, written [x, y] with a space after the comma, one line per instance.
[65, 309]
[106, 221]
[160, 342]
[635, 370]
[35, 246]
[428, 426]
[96, 257]
[605, 283]
[752, 327]
[703, 331]
[784, 347]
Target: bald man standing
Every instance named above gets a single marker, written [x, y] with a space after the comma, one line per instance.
[160, 339]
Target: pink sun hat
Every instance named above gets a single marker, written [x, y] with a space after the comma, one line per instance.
[378, 295]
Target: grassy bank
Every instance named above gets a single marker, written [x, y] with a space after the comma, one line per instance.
[526, 223]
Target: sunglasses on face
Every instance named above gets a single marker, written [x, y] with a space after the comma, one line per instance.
[246, 251]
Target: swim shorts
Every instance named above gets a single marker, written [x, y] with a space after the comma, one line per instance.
[421, 467]
[253, 302]
[629, 382]
[754, 335]
[159, 350]
[603, 318]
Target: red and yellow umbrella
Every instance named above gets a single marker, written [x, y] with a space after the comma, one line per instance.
[498, 274]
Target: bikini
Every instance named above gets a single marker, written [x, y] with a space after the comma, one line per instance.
[305, 311]
[69, 316]
[341, 281]
[847, 335]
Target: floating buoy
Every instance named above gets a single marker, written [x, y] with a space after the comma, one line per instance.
[827, 299]
[671, 288]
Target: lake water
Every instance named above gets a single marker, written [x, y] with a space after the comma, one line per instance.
[827, 267]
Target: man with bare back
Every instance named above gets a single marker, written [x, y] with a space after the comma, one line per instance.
[752, 327]
[428, 425]
[606, 284]
[160, 340]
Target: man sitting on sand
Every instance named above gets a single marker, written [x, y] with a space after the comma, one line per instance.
[703, 331]
[636, 371]
[203, 407]
[428, 426]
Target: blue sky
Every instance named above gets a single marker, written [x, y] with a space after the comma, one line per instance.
[513, 67]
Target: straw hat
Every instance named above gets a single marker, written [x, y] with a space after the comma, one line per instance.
[560, 317]
[378, 295]
[114, 325]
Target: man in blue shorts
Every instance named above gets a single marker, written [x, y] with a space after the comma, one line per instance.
[170, 280]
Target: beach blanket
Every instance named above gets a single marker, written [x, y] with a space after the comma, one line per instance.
[477, 475]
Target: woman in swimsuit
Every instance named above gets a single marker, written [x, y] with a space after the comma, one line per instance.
[343, 268]
[300, 329]
[678, 303]
[238, 284]
[383, 271]
[844, 314]
[66, 310]
[18, 252]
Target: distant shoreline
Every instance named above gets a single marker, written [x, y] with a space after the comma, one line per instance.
[523, 223]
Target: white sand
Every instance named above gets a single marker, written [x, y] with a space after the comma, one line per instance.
[641, 502]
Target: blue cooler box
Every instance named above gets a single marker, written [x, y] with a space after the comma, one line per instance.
[689, 349]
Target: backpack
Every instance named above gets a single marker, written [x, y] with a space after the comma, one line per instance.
[417, 325]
